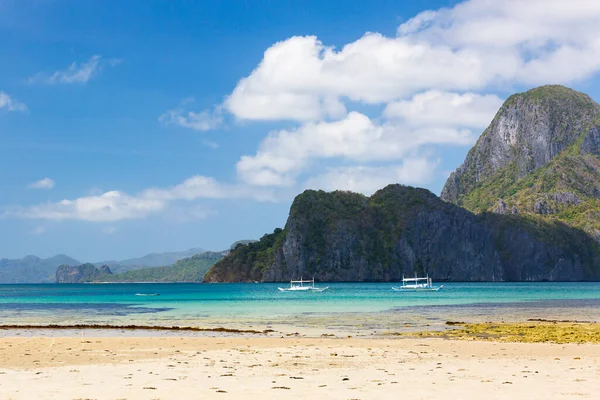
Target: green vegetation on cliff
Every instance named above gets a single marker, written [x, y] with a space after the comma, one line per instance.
[190, 269]
[247, 262]
[540, 156]
[532, 181]
[564, 190]
[400, 230]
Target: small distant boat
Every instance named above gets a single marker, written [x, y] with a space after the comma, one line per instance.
[147, 294]
[298, 286]
[417, 285]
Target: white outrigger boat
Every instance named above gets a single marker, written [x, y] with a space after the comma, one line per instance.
[417, 285]
[298, 286]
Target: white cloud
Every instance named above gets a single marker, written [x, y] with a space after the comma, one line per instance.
[200, 121]
[10, 104]
[45, 183]
[116, 206]
[541, 37]
[283, 154]
[436, 108]
[506, 24]
[429, 77]
[110, 206]
[75, 73]
[302, 79]
[475, 45]
[433, 80]
[367, 180]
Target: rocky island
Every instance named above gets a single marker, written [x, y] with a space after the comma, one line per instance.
[83, 273]
[524, 206]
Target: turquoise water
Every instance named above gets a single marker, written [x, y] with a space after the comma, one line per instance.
[345, 306]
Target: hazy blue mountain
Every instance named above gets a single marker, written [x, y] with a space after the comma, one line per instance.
[190, 269]
[32, 269]
[150, 260]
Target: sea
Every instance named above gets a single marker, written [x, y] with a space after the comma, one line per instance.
[344, 309]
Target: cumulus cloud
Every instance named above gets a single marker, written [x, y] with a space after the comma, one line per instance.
[200, 121]
[436, 108]
[541, 37]
[303, 79]
[432, 79]
[115, 205]
[44, 183]
[76, 72]
[283, 154]
[367, 180]
[9, 104]
[429, 118]
[475, 45]
[109, 206]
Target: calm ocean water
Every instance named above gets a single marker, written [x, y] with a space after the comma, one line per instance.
[356, 307]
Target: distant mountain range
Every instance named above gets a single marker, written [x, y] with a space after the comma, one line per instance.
[32, 269]
[191, 269]
[149, 260]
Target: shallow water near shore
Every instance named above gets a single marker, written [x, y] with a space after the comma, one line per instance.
[352, 308]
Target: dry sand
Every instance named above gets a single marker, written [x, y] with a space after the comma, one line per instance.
[268, 367]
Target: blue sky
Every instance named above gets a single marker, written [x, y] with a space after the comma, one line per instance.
[129, 127]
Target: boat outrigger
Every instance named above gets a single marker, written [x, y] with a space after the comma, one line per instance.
[417, 285]
[298, 286]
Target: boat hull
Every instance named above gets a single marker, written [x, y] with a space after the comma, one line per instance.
[303, 289]
[429, 289]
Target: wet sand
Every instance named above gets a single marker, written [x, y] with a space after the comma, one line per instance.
[252, 367]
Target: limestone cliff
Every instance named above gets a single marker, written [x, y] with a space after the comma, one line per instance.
[539, 156]
[343, 236]
[529, 130]
[524, 205]
[83, 273]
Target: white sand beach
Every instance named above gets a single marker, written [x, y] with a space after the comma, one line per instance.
[270, 367]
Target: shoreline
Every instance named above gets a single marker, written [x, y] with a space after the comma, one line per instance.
[104, 327]
[533, 330]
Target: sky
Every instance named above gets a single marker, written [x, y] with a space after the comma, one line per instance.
[130, 127]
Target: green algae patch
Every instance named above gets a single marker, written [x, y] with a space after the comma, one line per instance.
[522, 332]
